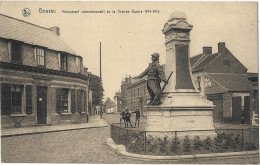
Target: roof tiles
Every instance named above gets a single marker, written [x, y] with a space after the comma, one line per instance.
[15, 29]
[232, 82]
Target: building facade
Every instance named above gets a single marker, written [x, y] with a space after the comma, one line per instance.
[222, 79]
[42, 78]
[137, 96]
[124, 85]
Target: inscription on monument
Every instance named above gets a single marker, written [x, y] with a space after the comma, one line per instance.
[183, 77]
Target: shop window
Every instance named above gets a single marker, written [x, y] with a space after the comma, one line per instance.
[16, 53]
[12, 101]
[16, 99]
[64, 100]
[64, 62]
[40, 57]
[62, 95]
[80, 97]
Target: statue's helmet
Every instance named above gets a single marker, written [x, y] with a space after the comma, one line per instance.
[156, 55]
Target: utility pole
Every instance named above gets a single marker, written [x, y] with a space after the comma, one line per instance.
[101, 111]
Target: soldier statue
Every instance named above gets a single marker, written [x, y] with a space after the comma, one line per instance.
[154, 74]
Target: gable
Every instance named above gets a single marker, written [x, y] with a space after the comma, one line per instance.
[226, 62]
[205, 61]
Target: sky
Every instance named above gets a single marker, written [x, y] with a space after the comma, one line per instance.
[129, 39]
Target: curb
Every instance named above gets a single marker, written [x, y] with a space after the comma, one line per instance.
[120, 149]
[49, 131]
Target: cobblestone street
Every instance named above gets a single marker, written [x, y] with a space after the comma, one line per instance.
[79, 146]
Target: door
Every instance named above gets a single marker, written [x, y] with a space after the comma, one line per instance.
[246, 110]
[217, 100]
[236, 110]
[41, 105]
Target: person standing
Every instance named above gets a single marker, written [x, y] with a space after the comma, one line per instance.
[122, 117]
[155, 75]
[137, 117]
[128, 118]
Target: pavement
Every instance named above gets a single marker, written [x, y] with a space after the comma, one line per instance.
[94, 122]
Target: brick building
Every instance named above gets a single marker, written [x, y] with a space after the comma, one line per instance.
[223, 79]
[124, 85]
[137, 95]
[42, 78]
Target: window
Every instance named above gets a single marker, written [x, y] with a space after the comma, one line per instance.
[78, 64]
[64, 100]
[40, 57]
[16, 98]
[64, 62]
[16, 55]
[226, 62]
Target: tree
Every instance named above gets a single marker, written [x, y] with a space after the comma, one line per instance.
[109, 103]
[96, 86]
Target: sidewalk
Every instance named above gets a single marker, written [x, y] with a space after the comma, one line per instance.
[94, 122]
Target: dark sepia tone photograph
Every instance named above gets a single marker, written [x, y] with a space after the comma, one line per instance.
[124, 82]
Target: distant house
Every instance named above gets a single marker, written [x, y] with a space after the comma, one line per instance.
[42, 78]
[223, 79]
[109, 106]
[117, 100]
[137, 96]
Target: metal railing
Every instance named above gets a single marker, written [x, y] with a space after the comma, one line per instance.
[142, 142]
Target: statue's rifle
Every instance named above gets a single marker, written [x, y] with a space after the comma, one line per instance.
[157, 97]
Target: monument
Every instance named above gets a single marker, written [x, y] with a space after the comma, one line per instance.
[182, 106]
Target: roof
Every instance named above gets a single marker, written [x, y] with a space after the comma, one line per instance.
[251, 75]
[232, 82]
[137, 81]
[15, 29]
[205, 61]
[194, 59]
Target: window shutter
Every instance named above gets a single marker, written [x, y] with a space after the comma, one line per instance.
[28, 89]
[78, 100]
[247, 109]
[58, 100]
[6, 99]
[73, 101]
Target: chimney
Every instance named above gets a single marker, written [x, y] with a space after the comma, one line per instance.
[221, 46]
[56, 30]
[207, 50]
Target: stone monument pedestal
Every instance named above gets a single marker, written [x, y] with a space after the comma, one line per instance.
[187, 113]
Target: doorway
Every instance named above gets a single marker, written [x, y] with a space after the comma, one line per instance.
[41, 105]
